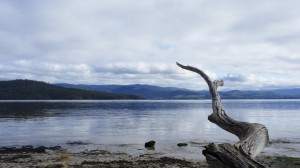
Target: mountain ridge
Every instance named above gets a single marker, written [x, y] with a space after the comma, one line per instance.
[28, 89]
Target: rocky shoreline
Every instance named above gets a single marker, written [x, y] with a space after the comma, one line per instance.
[58, 157]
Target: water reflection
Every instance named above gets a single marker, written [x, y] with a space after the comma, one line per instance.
[109, 122]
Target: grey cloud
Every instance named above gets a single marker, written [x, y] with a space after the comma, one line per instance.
[136, 68]
[291, 60]
[140, 41]
[234, 78]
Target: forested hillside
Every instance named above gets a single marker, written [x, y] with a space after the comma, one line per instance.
[28, 89]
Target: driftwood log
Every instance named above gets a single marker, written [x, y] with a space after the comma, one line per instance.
[253, 137]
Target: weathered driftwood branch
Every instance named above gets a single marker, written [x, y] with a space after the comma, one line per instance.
[253, 137]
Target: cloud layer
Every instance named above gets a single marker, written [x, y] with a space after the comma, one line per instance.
[251, 45]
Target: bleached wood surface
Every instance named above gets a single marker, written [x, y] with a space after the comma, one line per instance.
[253, 136]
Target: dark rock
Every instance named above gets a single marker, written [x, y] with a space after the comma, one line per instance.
[54, 148]
[28, 149]
[40, 149]
[150, 144]
[182, 144]
[77, 143]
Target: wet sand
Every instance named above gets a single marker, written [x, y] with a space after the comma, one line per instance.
[89, 158]
[56, 157]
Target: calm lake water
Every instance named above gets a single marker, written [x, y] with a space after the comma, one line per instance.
[135, 122]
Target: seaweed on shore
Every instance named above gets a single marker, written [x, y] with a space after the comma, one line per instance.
[54, 157]
[27, 149]
[153, 163]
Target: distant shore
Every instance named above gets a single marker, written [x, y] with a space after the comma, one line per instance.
[37, 90]
[56, 156]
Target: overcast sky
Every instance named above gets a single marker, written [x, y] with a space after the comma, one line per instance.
[250, 44]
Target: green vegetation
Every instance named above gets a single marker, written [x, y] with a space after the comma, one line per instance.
[35, 90]
[288, 159]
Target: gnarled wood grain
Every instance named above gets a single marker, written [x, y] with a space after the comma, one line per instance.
[253, 136]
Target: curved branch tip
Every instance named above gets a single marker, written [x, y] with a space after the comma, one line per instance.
[180, 65]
